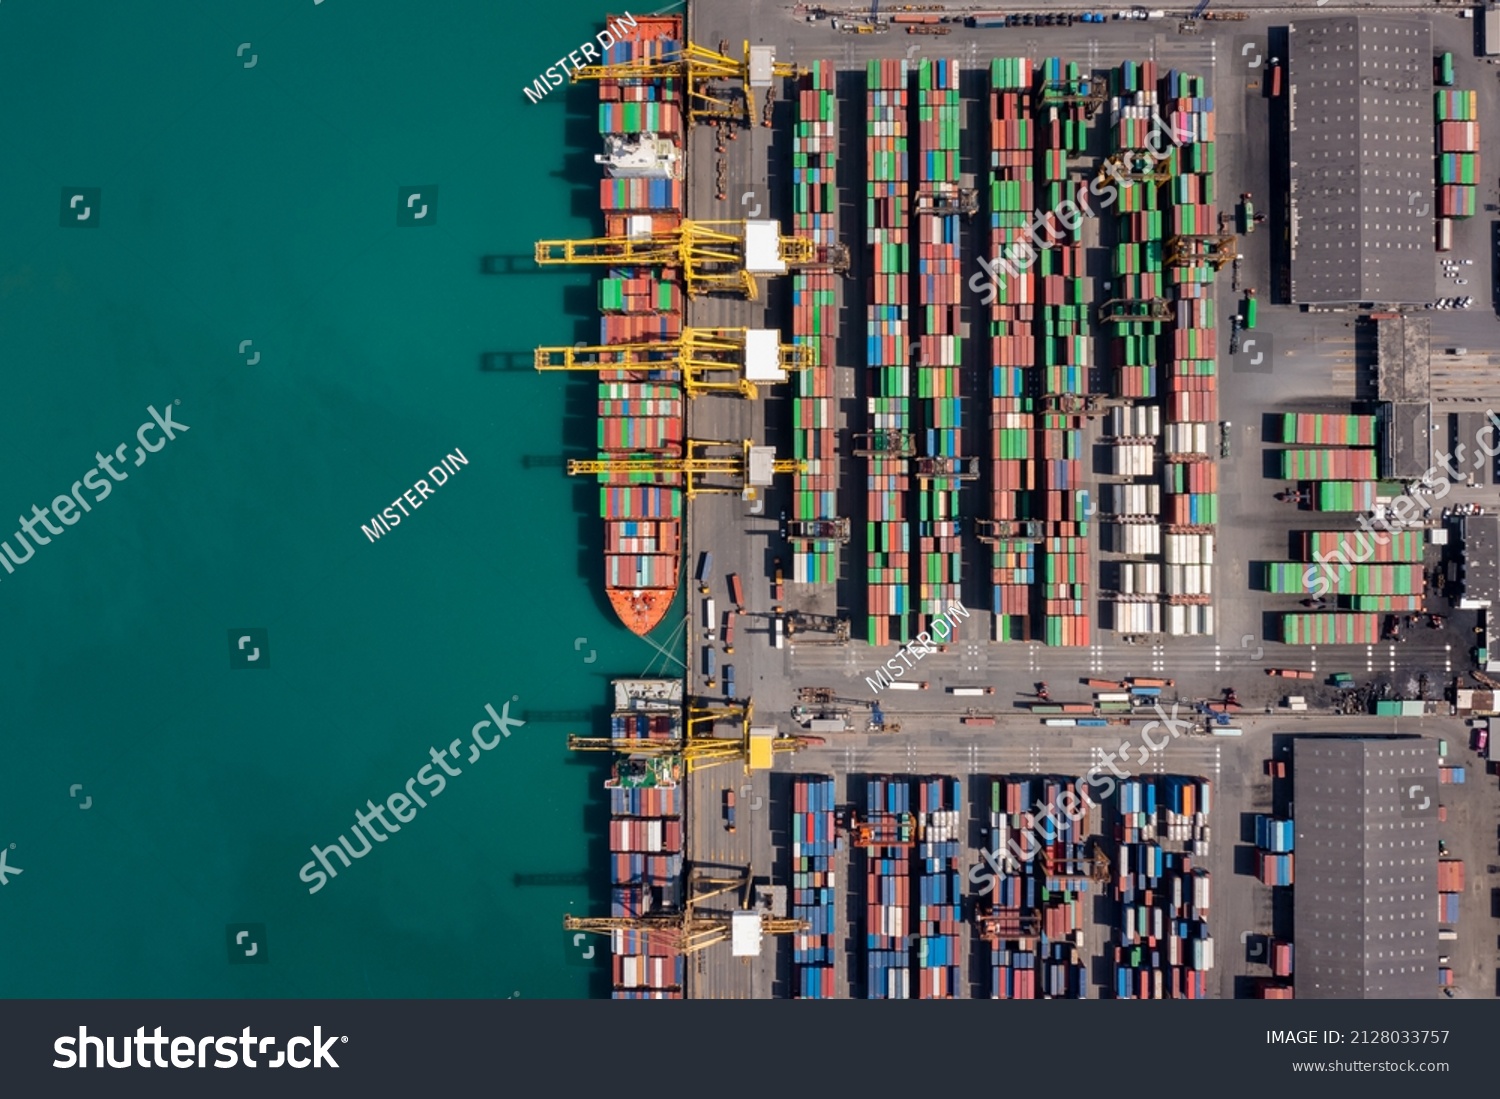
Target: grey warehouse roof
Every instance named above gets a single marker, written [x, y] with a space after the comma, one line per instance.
[1361, 151]
[1365, 898]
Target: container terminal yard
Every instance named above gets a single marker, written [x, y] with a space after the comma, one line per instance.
[1032, 474]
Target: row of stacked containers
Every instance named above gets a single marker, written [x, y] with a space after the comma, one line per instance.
[939, 346]
[1063, 330]
[1189, 382]
[939, 899]
[815, 313]
[1458, 153]
[887, 923]
[888, 574]
[1274, 840]
[645, 857]
[1170, 363]
[1034, 915]
[641, 411]
[1163, 948]
[1366, 572]
[1327, 429]
[1012, 342]
[813, 887]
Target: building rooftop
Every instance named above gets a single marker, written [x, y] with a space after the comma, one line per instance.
[1481, 546]
[1365, 898]
[1361, 149]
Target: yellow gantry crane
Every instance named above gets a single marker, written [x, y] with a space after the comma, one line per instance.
[1186, 249]
[698, 67]
[713, 256]
[755, 354]
[692, 929]
[752, 468]
[701, 747]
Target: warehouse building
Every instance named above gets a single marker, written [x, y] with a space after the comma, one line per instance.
[1362, 200]
[1365, 898]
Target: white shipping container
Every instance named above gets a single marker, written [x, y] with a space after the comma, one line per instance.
[1190, 621]
[710, 619]
[1187, 439]
[1133, 460]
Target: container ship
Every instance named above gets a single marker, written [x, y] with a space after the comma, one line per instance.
[641, 411]
[645, 840]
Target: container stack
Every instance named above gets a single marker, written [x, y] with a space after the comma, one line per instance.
[815, 312]
[1012, 348]
[1274, 840]
[1333, 563]
[1343, 495]
[1281, 960]
[1164, 948]
[1377, 586]
[1189, 382]
[1135, 429]
[888, 895]
[1450, 890]
[1391, 546]
[939, 888]
[1314, 429]
[641, 411]
[1458, 152]
[887, 338]
[813, 887]
[1453, 776]
[1036, 909]
[1458, 138]
[1330, 629]
[939, 343]
[645, 855]
[1331, 464]
[1064, 341]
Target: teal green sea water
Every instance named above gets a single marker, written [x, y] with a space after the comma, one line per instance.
[261, 203]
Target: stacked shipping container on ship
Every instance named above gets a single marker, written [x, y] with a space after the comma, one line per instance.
[1063, 342]
[645, 839]
[641, 410]
[939, 301]
[1189, 385]
[1458, 152]
[1012, 349]
[815, 313]
[1164, 949]
[888, 893]
[813, 886]
[1034, 917]
[939, 898]
[887, 214]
